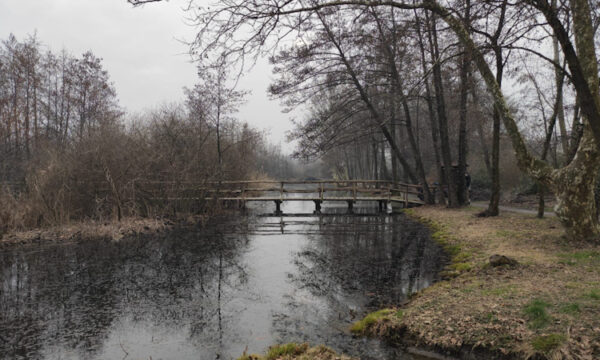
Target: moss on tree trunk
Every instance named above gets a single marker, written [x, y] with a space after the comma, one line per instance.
[574, 187]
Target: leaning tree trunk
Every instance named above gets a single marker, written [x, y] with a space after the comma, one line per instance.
[574, 184]
[574, 188]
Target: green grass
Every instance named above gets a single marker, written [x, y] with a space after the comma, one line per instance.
[536, 313]
[585, 257]
[461, 266]
[462, 256]
[458, 263]
[547, 343]
[278, 351]
[491, 318]
[452, 250]
[594, 294]
[502, 291]
[360, 327]
[250, 357]
[296, 351]
[570, 308]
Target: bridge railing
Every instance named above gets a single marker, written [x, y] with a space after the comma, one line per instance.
[350, 190]
[244, 189]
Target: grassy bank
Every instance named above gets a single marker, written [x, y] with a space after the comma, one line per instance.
[546, 307]
[294, 351]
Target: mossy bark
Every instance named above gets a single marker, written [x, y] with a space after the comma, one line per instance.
[574, 187]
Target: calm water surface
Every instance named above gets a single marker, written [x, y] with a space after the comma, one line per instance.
[243, 284]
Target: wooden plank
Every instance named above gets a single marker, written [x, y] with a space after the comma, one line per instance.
[344, 199]
[257, 190]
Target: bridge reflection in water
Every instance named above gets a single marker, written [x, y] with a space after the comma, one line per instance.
[212, 292]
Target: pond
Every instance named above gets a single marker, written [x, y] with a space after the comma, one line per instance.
[241, 284]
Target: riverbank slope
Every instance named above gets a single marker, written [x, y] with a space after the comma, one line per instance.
[547, 306]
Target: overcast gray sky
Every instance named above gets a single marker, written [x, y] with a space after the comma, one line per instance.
[140, 48]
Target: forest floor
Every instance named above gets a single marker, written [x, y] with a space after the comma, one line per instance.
[92, 229]
[530, 202]
[518, 209]
[547, 306]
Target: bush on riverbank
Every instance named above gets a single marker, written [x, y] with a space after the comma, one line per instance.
[72, 154]
[116, 172]
[547, 307]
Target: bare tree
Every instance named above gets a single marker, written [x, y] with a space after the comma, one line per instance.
[573, 184]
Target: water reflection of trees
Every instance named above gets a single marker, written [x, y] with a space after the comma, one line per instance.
[386, 257]
[351, 263]
[69, 296]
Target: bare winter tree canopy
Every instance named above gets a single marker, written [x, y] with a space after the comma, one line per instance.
[71, 152]
[403, 90]
[436, 193]
[323, 45]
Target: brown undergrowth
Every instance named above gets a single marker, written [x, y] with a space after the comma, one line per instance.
[546, 307]
[92, 229]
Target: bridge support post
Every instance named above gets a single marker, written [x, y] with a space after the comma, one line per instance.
[350, 206]
[278, 207]
[317, 206]
[383, 206]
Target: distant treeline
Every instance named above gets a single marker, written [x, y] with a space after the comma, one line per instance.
[68, 151]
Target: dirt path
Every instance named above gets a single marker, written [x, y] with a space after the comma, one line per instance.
[484, 205]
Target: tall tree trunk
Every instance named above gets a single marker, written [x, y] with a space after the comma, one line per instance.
[574, 188]
[448, 173]
[35, 115]
[550, 131]
[493, 206]
[462, 191]
[432, 116]
[375, 159]
[559, 93]
[576, 134]
[384, 168]
[376, 116]
[574, 184]
[395, 136]
[399, 90]
[27, 119]
[482, 141]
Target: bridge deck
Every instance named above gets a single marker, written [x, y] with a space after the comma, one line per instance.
[318, 191]
[335, 198]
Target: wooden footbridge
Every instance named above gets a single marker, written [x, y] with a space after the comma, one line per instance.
[277, 192]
